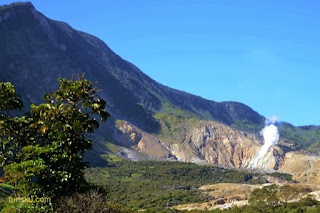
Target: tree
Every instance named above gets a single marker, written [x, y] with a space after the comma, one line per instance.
[273, 196]
[288, 193]
[9, 100]
[43, 150]
[10, 137]
[265, 197]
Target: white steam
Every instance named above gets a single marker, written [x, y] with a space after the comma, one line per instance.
[271, 120]
[270, 137]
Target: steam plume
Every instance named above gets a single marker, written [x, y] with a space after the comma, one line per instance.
[270, 137]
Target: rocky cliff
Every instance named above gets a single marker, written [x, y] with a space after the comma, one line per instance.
[207, 143]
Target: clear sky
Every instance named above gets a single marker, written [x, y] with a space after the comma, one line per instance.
[261, 53]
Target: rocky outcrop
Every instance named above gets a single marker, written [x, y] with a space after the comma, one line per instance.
[208, 143]
[304, 168]
[130, 136]
[217, 144]
[271, 161]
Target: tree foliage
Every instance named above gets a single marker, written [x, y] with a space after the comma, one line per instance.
[267, 196]
[273, 196]
[9, 99]
[42, 151]
[157, 185]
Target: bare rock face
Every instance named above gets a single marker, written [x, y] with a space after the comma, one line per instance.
[127, 135]
[207, 143]
[304, 168]
[272, 160]
[130, 136]
[218, 144]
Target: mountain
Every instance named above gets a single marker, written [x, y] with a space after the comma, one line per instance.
[37, 50]
[147, 117]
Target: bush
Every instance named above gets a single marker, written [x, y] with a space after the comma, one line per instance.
[90, 202]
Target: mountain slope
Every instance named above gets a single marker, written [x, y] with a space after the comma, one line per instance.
[37, 50]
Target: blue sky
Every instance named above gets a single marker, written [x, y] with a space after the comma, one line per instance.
[261, 53]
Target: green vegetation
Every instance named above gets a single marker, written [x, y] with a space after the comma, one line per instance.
[283, 176]
[5, 190]
[314, 147]
[306, 137]
[245, 125]
[92, 201]
[174, 127]
[155, 185]
[169, 109]
[41, 152]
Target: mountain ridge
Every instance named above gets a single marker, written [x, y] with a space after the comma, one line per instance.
[132, 76]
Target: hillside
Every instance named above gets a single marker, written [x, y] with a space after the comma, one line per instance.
[146, 116]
